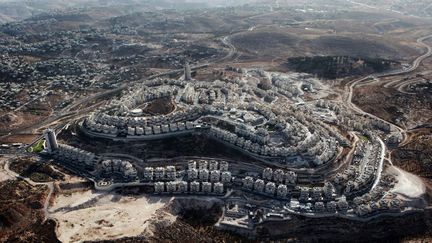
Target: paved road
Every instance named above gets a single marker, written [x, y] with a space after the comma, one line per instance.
[381, 164]
[413, 67]
[417, 61]
[233, 50]
[351, 105]
[72, 114]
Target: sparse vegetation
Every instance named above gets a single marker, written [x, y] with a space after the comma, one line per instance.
[37, 147]
[332, 67]
[56, 55]
[36, 171]
[21, 217]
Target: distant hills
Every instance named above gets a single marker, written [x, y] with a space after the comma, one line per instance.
[421, 8]
[15, 10]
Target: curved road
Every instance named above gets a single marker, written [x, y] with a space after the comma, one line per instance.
[413, 67]
[417, 61]
[381, 164]
[227, 41]
[68, 111]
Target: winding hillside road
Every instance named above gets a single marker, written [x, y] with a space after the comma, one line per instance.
[416, 63]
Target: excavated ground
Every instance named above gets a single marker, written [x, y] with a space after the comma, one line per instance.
[21, 213]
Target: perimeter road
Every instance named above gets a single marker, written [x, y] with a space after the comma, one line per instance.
[381, 164]
[413, 67]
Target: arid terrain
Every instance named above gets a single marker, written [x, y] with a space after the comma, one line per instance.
[60, 61]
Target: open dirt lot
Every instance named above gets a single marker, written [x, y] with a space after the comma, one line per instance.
[409, 186]
[85, 216]
[3, 174]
